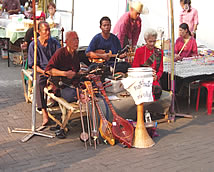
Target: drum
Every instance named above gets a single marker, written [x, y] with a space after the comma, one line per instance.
[140, 72]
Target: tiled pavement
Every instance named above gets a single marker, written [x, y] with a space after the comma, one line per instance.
[185, 145]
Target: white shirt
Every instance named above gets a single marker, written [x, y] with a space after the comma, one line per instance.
[56, 19]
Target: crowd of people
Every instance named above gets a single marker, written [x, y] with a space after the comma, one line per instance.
[55, 61]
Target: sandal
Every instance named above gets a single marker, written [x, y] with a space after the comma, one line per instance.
[55, 128]
[60, 134]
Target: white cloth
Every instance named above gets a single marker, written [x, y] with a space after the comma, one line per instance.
[139, 88]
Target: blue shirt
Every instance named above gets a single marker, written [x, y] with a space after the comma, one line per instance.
[43, 53]
[98, 42]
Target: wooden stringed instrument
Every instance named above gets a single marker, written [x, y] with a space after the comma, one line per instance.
[121, 128]
[83, 136]
[100, 60]
[94, 132]
[105, 127]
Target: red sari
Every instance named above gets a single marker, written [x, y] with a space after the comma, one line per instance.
[141, 56]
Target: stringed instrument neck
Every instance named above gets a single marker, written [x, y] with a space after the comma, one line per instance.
[100, 60]
[99, 84]
[105, 126]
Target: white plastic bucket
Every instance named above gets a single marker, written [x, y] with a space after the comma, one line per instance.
[140, 72]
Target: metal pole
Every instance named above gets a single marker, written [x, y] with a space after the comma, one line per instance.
[34, 69]
[72, 18]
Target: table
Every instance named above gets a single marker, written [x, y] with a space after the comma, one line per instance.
[189, 72]
[14, 35]
[191, 67]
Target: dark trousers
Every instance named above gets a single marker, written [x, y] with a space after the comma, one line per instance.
[41, 82]
[69, 94]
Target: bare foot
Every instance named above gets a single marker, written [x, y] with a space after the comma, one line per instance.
[45, 117]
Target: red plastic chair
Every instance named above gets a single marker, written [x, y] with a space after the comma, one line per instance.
[209, 85]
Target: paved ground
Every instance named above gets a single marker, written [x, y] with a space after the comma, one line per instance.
[185, 145]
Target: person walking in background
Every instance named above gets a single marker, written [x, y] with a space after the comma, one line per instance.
[128, 27]
[189, 16]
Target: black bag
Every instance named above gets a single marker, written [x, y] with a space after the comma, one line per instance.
[122, 67]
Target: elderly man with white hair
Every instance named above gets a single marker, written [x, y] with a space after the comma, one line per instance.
[150, 56]
[65, 63]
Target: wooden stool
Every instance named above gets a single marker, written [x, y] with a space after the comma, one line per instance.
[209, 85]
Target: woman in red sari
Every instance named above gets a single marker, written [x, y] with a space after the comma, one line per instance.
[185, 45]
[149, 55]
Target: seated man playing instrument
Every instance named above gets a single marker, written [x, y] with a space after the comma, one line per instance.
[185, 45]
[65, 63]
[105, 45]
[149, 55]
[46, 47]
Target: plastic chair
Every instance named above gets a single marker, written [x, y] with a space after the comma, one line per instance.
[209, 85]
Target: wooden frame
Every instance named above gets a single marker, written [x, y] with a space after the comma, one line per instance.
[68, 110]
[27, 91]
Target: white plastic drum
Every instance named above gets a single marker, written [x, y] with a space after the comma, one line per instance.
[139, 84]
[140, 72]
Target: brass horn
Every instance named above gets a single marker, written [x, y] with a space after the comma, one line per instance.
[142, 138]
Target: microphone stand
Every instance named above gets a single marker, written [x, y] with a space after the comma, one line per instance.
[115, 61]
[125, 49]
